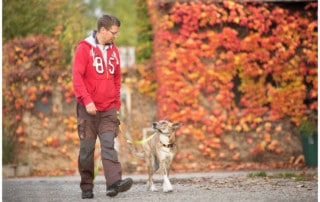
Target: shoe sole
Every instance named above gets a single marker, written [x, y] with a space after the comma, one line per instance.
[123, 188]
[112, 194]
[87, 197]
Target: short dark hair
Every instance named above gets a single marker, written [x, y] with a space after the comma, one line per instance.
[107, 21]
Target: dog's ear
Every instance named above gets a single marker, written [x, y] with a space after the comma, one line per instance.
[176, 126]
[154, 125]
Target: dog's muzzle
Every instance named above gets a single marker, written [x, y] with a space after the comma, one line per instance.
[169, 145]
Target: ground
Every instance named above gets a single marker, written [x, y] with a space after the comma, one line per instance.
[284, 185]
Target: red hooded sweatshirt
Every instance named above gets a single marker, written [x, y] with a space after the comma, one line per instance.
[96, 74]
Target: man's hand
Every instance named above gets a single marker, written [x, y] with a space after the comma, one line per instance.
[91, 108]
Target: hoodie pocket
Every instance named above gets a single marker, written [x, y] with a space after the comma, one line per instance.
[104, 91]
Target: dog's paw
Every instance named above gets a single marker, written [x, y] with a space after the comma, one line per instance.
[167, 188]
[153, 188]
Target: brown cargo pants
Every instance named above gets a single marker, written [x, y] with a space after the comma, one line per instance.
[104, 125]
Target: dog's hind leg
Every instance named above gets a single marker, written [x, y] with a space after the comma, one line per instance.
[150, 184]
[155, 164]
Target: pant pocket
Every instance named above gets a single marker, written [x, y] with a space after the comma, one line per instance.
[81, 128]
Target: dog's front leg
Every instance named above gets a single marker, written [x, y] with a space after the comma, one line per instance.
[167, 187]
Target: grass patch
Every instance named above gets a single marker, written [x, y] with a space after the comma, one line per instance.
[294, 176]
[258, 174]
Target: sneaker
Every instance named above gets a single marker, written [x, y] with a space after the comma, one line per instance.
[119, 186]
[87, 194]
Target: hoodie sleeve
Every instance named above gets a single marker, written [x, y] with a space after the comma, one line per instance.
[117, 83]
[80, 62]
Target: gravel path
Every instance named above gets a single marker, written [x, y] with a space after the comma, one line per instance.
[188, 187]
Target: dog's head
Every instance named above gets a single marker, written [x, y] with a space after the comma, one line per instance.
[166, 127]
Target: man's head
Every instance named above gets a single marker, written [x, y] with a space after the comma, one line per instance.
[107, 21]
[108, 27]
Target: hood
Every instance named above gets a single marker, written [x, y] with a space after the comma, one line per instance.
[91, 39]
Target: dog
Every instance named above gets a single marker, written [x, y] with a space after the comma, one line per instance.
[159, 151]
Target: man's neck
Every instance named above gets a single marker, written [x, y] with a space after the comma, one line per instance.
[99, 40]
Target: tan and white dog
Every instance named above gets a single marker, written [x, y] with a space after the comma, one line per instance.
[159, 152]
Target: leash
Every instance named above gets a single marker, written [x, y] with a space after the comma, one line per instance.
[96, 169]
[138, 142]
[129, 140]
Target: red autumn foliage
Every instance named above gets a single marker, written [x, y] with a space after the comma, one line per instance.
[231, 67]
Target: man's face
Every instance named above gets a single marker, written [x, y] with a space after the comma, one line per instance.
[109, 35]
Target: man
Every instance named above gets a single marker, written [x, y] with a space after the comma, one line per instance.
[96, 81]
